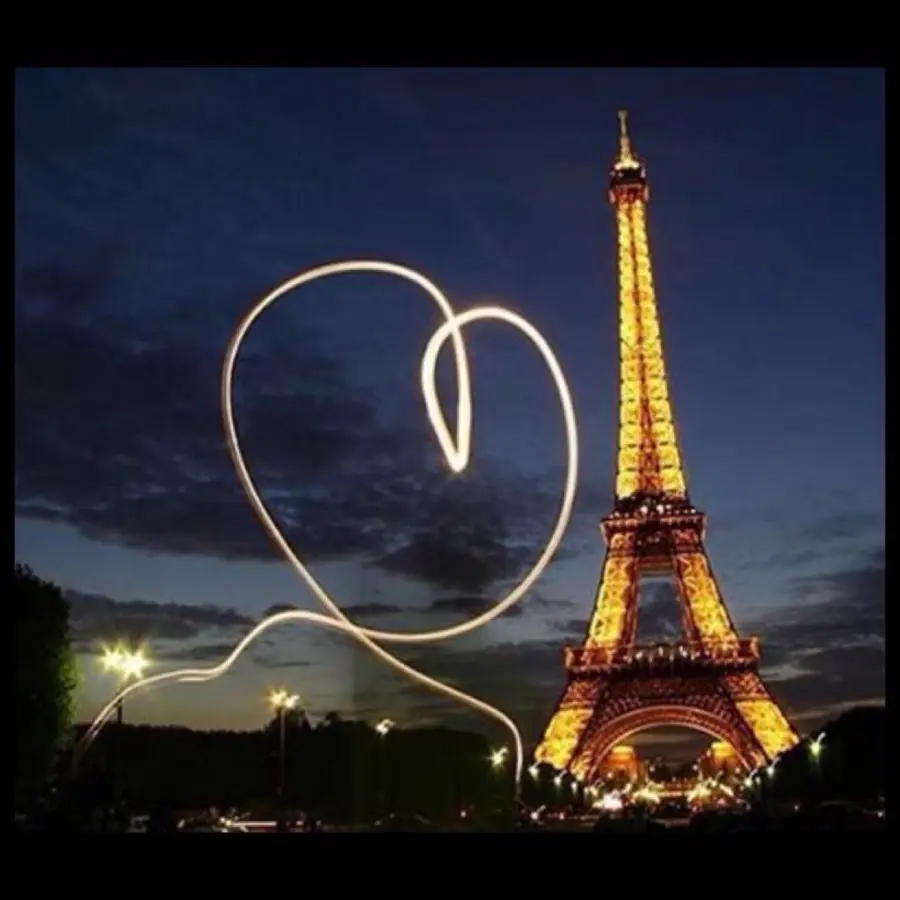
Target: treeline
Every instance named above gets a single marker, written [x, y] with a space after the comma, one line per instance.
[849, 764]
[341, 771]
[44, 679]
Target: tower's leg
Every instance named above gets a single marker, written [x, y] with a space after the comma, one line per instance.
[717, 705]
[761, 713]
[709, 619]
[572, 714]
[614, 622]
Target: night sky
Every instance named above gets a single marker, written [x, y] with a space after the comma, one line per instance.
[153, 206]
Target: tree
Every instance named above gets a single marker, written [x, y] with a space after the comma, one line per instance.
[45, 679]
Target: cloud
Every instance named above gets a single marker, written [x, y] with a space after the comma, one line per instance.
[831, 638]
[466, 535]
[205, 653]
[571, 628]
[842, 525]
[468, 606]
[821, 535]
[96, 618]
[271, 663]
[360, 610]
[522, 678]
[117, 434]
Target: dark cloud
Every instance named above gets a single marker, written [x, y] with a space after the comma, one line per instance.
[466, 535]
[468, 606]
[524, 679]
[824, 537]
[360, 610]
[269, 662]
[95, 618]
[573, 629]
[205, 653]
[831, 637]
[73, 285]
[118, 434]
[831, 679]
[842, 525]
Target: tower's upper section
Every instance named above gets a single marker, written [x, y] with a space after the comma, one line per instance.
[628, 177]
[648, 467]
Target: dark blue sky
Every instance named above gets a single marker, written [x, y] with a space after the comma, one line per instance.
[153, 206]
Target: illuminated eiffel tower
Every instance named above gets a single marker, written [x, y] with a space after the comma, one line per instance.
[710, 681]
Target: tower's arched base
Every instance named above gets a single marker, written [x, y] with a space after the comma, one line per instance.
[718, 727]
[597, 711]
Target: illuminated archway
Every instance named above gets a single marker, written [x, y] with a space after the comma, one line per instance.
[716, 725]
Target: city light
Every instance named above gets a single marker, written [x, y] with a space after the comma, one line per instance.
[611, 802]
[283, 700]
[498, 757]
[456, 449]
[815, 746]
[384, 726]
[125, 663]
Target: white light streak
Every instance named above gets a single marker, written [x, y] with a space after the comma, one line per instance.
[456, 450]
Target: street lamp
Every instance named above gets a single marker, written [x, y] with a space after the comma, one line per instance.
[497, 759]
[281, 701]
[382, 729]
[815, 746]
[384, 726]
[128, 665]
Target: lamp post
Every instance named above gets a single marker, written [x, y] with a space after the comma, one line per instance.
[498, 758]
[281, 701]
[383, 729]
[535, 773]
[127, 664]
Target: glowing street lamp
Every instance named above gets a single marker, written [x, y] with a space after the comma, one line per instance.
[815, 746]
[384, 726]
[128, 665]
[281, 701]
[383, 729]
[498, 757]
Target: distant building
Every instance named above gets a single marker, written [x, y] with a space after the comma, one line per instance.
[621, 763]
[719, 757]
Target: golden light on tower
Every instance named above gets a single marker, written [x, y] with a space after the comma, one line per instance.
[654, 529]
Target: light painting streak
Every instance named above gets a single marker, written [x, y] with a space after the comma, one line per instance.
[456, 450]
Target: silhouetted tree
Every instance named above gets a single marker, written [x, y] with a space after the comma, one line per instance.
[45, 678]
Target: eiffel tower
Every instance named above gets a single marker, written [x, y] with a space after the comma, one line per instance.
[710, 681]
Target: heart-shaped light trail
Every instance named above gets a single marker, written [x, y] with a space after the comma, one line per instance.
[456, 451]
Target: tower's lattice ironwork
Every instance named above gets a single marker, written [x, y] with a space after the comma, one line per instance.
[710, 681]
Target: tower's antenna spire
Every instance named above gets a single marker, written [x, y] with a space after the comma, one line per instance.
[625, 157]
